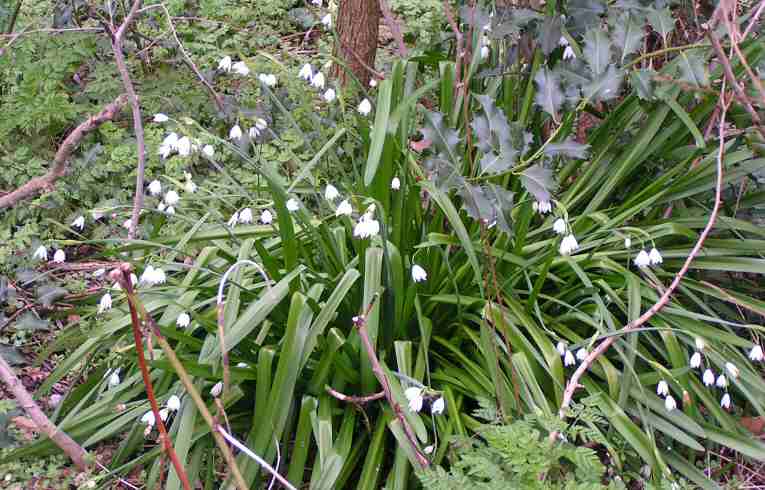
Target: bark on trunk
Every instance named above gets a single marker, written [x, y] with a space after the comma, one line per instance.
[357, 29]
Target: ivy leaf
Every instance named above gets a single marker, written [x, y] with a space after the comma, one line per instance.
[584, 14]
[550, 34]
[568, 148]
[597, 50]
[642, 82]
[628, 35]
[502, 202]
[606, 86]
[538, 180]
[693, 69]
[661, 21]
[476, 203]
[549, 95]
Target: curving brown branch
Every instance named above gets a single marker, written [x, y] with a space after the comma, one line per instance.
[76, 453]
[573, 383]
[394, 27]
[64, 153]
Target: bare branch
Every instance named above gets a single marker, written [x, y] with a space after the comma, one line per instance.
[394, 27]
[75, 452]
[356, 400]
[60, 161]
[573, 383]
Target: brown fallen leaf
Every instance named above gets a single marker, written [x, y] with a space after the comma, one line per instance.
[420, 146]
[27, 427]
[755, 425]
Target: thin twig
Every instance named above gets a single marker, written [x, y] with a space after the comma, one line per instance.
[61, 160]
[118, 36]
[136, 306]
[394, 27]
[753, 20]
[122, 276]
[356, 400]
[76, 453]
[360, 322]
[573, 383]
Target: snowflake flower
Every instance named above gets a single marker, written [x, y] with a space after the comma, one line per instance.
[331, 193]
[149, 419]
[395, 183]
[164, 414]
[722, 381]
[670, 403]
[183, 146]
[344, 209]
[173, 403]
[373, 82]
[414, 395]
[114, 378]
[429, 449]
[367, 226]
[292, 205]
[365, 107]
[235, 133]
[183, 320]
[581, 354]
[225, 64]
[105, 303]
[484, 52]
[152, 276]
[708, 377]
[756, 353]
[208, 151]
[695, 360]
[155, 187]
[568, 53]
[662, 389]
[266, 217]
[240, 67]
[330, 95]
[189, 186]
[642, 259]
[655, 257]
[542, 207]
[568, 244]
[327, 21]
[725, 402]
[41, 253]
[217, 389]
[700, 343]
[561, 348]
[160, 118]
[268, 80]
[245, 215]
[318, 80]
[59, 257]
[172, 198]
[79, 222]
[563, 42]
[438, 406]
[559, 226]
[306, 72]
[418, 273]
[234, 219]
[627, 242]
[568, 359]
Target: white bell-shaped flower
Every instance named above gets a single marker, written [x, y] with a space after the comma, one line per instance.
[225, 64]
[655, 257]
[438, 406]
[395, 183]
[114, 378]
[235, 132]
[306, 72]
[183, 320]
[208, 151]
[149, 419]
[722, 381]
[559, 226]
[266, 217]
[331, 193]
[318, 80]
[59, 257]
[581, 354]
[160, 118]
[344, 209]
[561, 348]
[245, 215]
[327, 21]
[292, 205]
[642, 259]
[174, 403]
[155, 187]
[240, 68]
[79, 222]
[172, 198]
[568, 244]
[105, 303]
[708, 377]
[217, 389]
[568, 359]
[41, 253]
[365, 107]
[756, 353]
[670, 403]
[662, 389]
[732, 369]
[695, 360]
[418, 273]
[330, 95]
[414, 395]
[725, 401]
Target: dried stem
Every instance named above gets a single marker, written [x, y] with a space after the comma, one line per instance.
[60, 161]
[76, 453]
[356, 400]
[394, 27]
[360, 323]
[118, 36]
[573, 383]
[122, 275]
[137, 308]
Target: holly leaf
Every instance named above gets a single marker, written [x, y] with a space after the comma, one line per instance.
[444, 138]
[661, 21]
[476, 203]
[693, 69]
[628, 35]
[502, 202]
[549, 95]
[606, 86]
[538, 180]
[642, 82]
[568, 148]
[597, 50]
[444, 174]
[549, 35]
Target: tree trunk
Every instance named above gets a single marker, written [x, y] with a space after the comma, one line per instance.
[357, 30]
